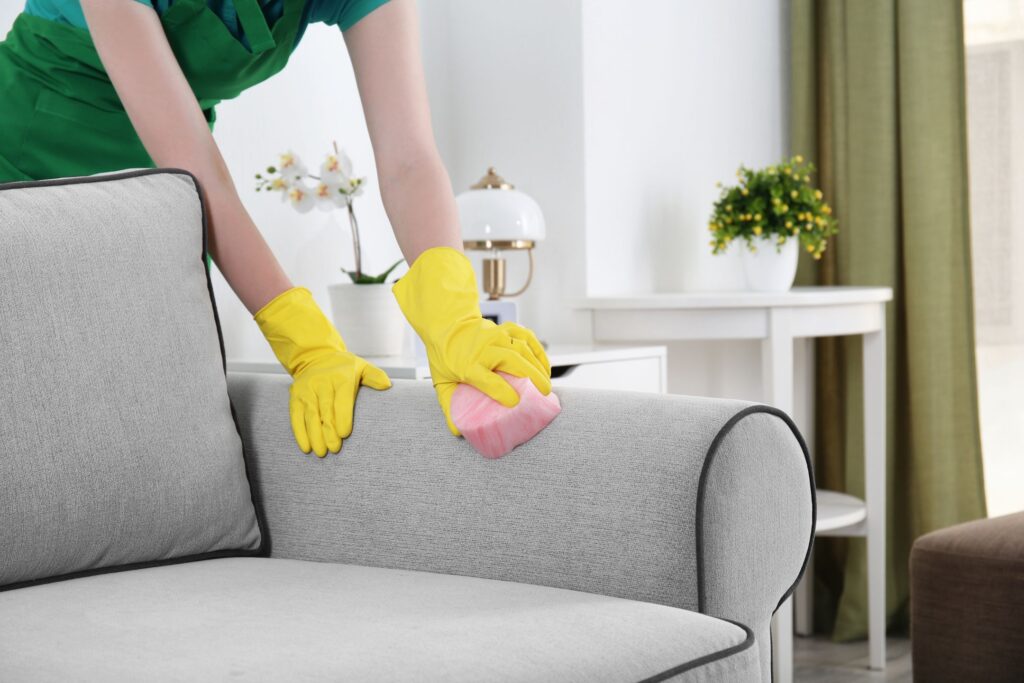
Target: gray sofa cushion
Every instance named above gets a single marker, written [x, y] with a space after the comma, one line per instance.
[118, 445]
[276, 620]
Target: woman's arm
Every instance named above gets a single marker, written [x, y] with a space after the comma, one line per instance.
[438, 295]
[134, 50]
[385, 51]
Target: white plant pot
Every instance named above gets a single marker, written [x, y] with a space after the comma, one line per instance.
[772, 267]
[369, 319]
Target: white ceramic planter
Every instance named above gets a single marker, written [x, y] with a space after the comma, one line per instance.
[369, 319]
[771, 269]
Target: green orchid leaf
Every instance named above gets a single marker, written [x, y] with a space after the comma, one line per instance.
[388, 271]
[364, 279]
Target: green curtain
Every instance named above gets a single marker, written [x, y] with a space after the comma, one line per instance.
[877, 102]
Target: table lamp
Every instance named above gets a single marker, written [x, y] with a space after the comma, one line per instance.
[496, 217]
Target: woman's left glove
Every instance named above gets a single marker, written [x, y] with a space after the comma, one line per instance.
[326, 376]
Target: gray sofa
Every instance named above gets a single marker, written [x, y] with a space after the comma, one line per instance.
[638, 537]
[151, 529]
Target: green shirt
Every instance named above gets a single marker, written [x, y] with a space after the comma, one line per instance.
[341, 13]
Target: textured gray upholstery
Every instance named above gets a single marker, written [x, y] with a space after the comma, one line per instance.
[757, 445]
[257, 619]
[117, 444]
[608, 499]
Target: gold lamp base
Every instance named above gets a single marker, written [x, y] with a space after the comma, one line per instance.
[494, 276]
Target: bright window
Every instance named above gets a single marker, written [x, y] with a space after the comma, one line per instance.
[994, 34]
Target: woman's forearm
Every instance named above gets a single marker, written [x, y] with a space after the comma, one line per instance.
[160, 103]
[418, 199]
[233, 240]
[238, 247]
[385, 51]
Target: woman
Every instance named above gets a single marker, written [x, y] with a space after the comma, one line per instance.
[98, 85]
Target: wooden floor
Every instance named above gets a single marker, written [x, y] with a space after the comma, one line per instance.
[819, 660]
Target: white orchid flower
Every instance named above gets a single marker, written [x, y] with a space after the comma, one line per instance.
[291, 167]
[301, 197]
[327, 195]
[336, 169]
[335, 186]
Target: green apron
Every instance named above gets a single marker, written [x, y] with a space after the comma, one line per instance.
[61, 115]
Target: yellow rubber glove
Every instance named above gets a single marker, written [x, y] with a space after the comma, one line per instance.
[326, 376]
[439, 299]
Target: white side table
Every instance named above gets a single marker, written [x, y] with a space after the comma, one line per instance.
[776, 320]
[634, 368]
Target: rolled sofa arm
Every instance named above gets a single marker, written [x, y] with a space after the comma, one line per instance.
[697, 503]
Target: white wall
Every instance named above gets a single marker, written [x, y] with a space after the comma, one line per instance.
[505, 90]
[676, 96]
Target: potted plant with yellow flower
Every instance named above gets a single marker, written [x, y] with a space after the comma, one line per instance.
[775, 211]
[364, 308]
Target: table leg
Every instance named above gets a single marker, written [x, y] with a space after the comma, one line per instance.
[804, 606]
[777, 361]
[874, 485]
[803, 600]
[777, 376]
[782, 643]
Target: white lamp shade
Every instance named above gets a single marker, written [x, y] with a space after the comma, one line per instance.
[499, 215]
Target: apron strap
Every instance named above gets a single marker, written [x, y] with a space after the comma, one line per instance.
[254, 24]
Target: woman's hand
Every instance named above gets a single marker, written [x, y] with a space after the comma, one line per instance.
[327, 377]
[323, 398]
[439, 298]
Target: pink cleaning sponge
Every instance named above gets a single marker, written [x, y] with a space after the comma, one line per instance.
[494, 430]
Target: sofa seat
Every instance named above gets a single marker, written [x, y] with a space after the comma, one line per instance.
[265, 619]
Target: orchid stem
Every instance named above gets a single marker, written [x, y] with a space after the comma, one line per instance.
[355, 237]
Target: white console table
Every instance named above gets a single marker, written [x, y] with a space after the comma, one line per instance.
[633, 368]
[776, 320]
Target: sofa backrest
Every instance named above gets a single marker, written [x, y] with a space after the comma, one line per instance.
[117, 442]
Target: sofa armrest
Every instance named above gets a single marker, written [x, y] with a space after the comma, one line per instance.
[697, 503]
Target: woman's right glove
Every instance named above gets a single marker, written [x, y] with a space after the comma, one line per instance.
[326, 376]
[439, 299]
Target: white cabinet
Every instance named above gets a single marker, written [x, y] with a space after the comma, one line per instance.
[629, 374]
[634, 368]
